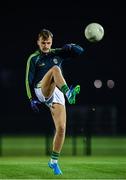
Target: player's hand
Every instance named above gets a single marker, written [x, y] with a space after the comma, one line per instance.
[34, 105]
[67, 47]
[74, 48]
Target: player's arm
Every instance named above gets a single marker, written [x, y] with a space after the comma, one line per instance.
[30, 71]
[72, 50]
[69, 50]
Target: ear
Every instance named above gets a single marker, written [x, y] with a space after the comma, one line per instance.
[38, 42]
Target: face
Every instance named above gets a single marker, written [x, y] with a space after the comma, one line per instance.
[45, 45]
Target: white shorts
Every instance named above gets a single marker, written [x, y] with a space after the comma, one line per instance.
[57, 97]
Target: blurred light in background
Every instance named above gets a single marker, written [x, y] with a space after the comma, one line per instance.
[98, 83]
[110, 84]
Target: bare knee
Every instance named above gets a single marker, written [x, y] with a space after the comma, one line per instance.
[56, 69]
[61, 129]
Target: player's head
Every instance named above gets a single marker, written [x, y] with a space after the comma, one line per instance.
[44, 41]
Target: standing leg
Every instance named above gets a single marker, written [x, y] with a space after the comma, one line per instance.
[58, 112]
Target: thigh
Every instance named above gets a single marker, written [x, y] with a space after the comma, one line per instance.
[58, 112]
[47, 84]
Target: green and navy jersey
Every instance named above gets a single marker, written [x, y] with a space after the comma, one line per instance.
[39, 63]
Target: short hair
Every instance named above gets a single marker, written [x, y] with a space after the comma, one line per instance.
[45, 33]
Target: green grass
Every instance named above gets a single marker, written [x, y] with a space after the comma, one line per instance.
[72, 167]
[36, 146]
[23, 157]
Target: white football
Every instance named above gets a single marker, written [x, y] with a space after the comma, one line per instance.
[94, 32]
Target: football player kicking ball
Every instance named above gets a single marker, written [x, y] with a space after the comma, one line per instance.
[46, 84]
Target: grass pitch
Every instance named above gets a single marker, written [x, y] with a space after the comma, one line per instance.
[72, 167]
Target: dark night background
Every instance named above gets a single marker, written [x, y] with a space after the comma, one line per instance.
[20, 24]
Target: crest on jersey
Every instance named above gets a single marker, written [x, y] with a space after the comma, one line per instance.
[55, 60]
[43, 64]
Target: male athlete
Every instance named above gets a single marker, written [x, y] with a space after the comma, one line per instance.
[46, 84]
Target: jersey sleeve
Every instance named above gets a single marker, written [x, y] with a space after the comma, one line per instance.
[69, 51]
[30, 72]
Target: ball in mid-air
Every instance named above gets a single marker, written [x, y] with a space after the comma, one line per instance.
[94, 32]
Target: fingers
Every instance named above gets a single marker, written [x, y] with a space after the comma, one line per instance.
[35, 108]
[37, 102]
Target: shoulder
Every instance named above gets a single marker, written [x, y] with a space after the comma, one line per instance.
[33, 56]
